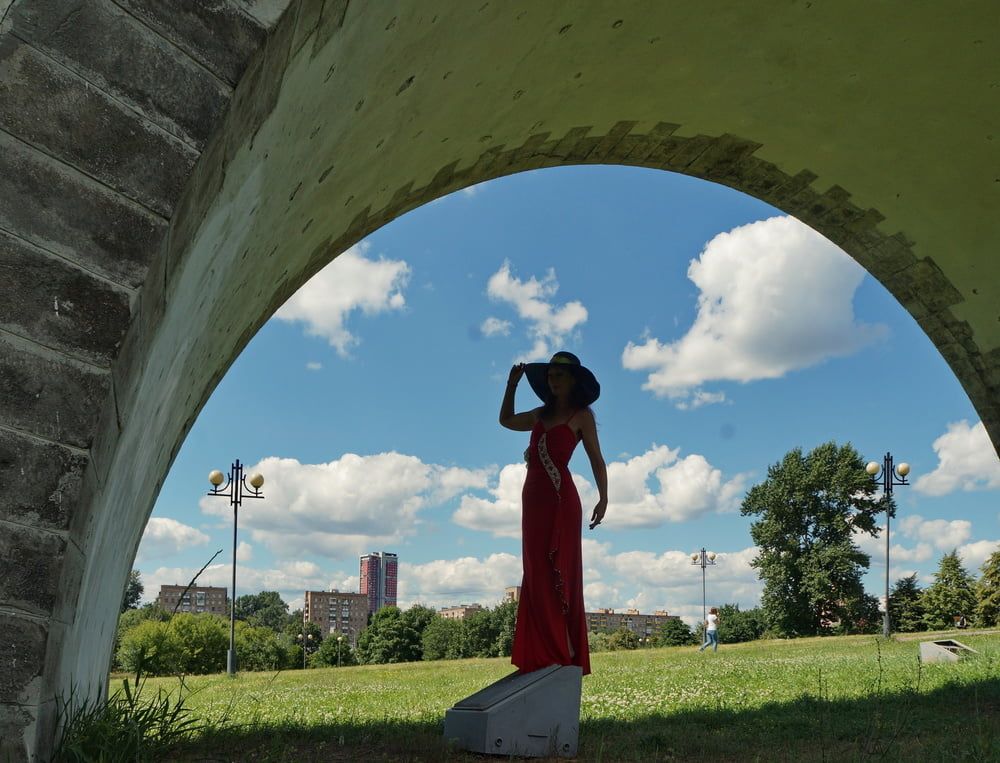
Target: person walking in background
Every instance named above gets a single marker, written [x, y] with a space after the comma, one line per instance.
[551, 627]
[711, 630]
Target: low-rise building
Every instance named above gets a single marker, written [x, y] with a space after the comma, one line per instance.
[460, 612]
[512, 593]
[337, 613]
[641, 624]
[194, 599]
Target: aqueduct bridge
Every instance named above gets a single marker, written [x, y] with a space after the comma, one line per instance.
[171, 172]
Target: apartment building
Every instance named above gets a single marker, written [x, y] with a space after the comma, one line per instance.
[337, 613]
[379, 572]
[637, 622]
[194, 599]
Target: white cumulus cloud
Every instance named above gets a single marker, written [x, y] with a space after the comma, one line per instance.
[548, 324]
[351, 282]
[495, 327]
[645, 491]
[943, 534]
[648, 581]
[966, 461]
[164, 537]
[974, 555]
[244, 552]
[347, 506]
[501, 513]
[466, 580]
[775, 297]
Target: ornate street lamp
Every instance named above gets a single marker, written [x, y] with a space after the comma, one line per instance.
[703, 559]
[889, 477]
[236, 489]
[306, 639]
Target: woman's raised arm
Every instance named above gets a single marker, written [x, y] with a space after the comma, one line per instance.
[519, 422]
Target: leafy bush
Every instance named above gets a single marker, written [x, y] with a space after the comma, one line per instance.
[623, 638]
[131, 618]
[204, 642]
[331, 652]
[260, 648]
[736, 626]
[151, 647]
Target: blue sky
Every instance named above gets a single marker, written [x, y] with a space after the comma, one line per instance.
[723, 333]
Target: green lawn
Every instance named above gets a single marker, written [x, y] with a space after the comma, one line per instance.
[849, 698]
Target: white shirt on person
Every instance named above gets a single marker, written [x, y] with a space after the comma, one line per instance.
[713, 622]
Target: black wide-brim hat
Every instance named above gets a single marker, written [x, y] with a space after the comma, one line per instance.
[538, 377]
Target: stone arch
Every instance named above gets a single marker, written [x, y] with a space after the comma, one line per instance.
[350, 115]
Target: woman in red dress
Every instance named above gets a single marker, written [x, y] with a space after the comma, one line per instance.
[551, 625]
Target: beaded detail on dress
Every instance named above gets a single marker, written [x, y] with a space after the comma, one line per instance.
[546, 459]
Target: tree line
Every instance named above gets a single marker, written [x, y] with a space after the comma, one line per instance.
[809, 513]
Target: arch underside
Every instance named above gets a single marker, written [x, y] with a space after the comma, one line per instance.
[350, 115]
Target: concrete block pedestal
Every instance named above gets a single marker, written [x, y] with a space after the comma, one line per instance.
[533, 715]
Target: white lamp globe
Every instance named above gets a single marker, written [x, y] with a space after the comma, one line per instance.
[711, 556]
[903, 469]
[694, 557]
[872, 468]
[216, 477]
[257, 480]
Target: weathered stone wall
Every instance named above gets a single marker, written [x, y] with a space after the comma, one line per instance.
[129, 281]
[104, 109]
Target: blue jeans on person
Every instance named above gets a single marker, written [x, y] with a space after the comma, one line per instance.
[711, 637]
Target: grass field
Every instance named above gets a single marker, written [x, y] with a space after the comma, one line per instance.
[833, 699]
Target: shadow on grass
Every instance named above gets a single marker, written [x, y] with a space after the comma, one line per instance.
[959, 721]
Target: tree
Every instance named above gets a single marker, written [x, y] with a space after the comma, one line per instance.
[418, 617]
[860, 615]
[442, 639]
[736, 625]
[809, 508]
[988, 592]
[334, 653]
[675, 632]
[264, 610]
[623, 638]
[905, 610]
[388, 638]
[133, 591]
[259, 648]
[504, 617]
[953, 594]
[479, 634]
[204, 639]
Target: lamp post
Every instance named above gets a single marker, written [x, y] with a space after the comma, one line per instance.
[236, 489]
[306, 639]
[340, 640]
[703, 559]
[889, 477]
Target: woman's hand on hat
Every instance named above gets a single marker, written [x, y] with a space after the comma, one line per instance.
[516, 372]
[598, 516]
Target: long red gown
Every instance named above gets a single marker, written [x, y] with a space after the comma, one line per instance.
[550, 613]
